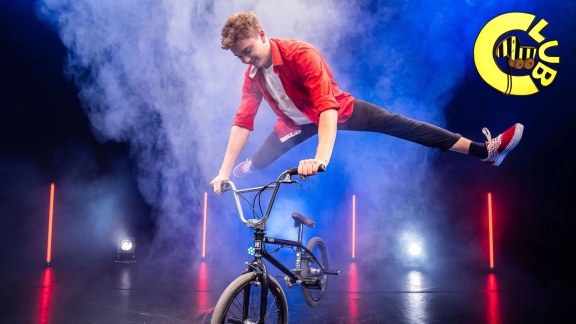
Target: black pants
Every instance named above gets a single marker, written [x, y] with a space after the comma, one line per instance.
[366, 117]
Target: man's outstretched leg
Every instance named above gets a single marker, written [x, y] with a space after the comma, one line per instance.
[371, 118]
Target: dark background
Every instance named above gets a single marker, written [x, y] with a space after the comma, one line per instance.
[43, 131]
[44, 134]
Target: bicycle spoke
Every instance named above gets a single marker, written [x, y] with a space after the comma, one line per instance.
[272, 305]
[245, 306]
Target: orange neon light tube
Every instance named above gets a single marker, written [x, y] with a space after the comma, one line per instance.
[353, 226]
[490, 233]
[204, 225]
[50, 218]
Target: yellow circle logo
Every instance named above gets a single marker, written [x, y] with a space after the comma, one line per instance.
[510, 64]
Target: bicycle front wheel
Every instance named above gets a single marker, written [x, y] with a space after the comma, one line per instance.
[240, 302]
[314, 269]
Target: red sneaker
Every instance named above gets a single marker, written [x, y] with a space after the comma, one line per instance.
[500, 146]
[242, 169]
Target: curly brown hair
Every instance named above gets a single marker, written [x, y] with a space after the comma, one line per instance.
[239, 26]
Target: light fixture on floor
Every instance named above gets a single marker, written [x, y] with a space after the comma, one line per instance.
[126, 250]
[414, 255]
[414, 249]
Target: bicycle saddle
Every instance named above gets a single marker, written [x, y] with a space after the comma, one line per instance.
[301, 219]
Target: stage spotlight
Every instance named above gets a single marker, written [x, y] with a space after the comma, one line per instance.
[126, 245]
[126, 249]
[414, 249]
[411, 249]
[414, 255]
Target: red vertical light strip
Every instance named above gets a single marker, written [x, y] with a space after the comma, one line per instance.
[353, 226]
[204, 225]
[490, 233]
[50, 218]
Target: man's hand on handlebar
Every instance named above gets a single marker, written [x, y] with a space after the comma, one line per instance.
[305, 168]
[217, 183]
[311, 167]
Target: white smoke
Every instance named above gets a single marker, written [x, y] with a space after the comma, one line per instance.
[152, 73]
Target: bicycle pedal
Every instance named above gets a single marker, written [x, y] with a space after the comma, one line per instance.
[289, 282]
[311, 283]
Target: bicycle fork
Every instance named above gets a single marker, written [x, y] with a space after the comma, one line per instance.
[262, 274]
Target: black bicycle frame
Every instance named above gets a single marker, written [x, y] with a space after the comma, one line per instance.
[260, 252]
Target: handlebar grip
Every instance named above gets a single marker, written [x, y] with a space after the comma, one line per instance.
[294, 171]
[225, 186]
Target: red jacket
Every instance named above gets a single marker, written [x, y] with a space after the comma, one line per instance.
[307, 80]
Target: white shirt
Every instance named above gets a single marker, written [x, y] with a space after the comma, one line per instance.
[276, 89]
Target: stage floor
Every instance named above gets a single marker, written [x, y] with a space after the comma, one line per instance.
[186, 292]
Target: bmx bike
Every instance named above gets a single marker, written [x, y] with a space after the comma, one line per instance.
[257, 297]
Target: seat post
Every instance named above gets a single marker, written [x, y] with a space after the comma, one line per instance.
[300, 232]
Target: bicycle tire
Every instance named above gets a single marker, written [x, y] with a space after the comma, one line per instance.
[311, 295]
[229, 308]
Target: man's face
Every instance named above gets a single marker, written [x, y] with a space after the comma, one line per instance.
[254, 50]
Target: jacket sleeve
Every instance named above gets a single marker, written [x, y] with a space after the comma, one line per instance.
[317, 78]
[251, 98]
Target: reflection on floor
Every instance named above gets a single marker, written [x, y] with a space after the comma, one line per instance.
[148, 292]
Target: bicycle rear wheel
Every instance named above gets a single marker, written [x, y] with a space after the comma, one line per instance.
[312, 269]
[240, 302]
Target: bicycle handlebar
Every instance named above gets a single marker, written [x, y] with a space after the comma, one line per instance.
[294, 171]
[285, 177]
